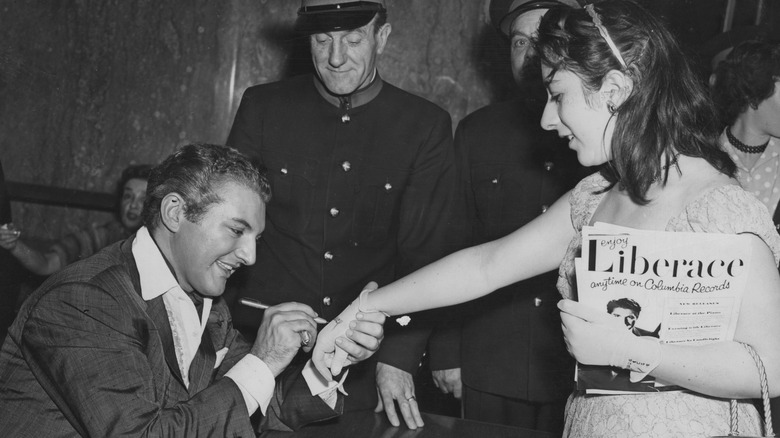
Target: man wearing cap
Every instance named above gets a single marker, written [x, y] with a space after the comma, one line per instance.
[363, 176]
[508, 356]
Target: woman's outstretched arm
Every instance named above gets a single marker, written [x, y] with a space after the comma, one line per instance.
[536, 248]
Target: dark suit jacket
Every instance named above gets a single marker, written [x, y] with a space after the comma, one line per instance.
[510, 342]
[88, 356]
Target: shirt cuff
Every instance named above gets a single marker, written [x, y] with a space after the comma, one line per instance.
[256, 382]
[327, 391]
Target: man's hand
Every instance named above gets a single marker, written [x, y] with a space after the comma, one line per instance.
[394, 384]
[285, 328]
[448, 381]
[363, 337]
[328, 356]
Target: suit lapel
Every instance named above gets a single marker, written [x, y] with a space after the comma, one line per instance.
[202, 365]
[158, 314]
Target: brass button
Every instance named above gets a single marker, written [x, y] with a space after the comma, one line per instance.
[328, 256]
[548, 165]
[284, 171]
[326, 301]
[544, 208]
[537, 302]
[388, 186]
[346, 166]
[334, 212]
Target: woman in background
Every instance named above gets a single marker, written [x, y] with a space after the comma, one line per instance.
[623, 93]
[746, 87]
[131, 192]
[747, 92]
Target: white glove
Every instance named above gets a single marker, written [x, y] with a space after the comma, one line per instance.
[595, 337]
[328, 358]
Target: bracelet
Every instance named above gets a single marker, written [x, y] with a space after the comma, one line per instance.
[363, 306]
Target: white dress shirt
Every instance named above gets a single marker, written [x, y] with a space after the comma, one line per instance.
[252, 376]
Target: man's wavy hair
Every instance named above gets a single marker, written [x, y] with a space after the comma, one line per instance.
[195, 172]
[624, 303]
[669, 110]
[746, 78]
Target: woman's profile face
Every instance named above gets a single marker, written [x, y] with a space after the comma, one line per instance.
[583, 120]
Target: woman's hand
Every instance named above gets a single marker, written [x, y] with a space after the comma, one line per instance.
[9, 235]
[594, 337]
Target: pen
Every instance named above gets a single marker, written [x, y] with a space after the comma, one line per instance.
[258, 305]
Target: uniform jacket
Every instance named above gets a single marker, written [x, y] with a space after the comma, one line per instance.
[510, 342]
[353, 201]
[87, 356]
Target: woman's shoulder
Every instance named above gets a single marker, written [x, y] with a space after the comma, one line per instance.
[729, 209]
[592, 186]
[585, 197]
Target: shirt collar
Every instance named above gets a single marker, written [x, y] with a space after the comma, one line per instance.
[156, 277]
[357, 98]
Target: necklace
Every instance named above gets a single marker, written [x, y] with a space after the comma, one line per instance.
[665, 167]
[742, 147]
[671, 163]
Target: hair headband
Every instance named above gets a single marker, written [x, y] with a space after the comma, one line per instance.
[604, 34]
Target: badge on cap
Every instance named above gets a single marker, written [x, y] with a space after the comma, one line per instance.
[315, 16]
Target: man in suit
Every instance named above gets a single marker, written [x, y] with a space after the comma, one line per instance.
[364, 180]
[135, 340]
[508, 357]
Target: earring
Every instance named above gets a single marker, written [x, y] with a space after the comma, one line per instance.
[611, 108]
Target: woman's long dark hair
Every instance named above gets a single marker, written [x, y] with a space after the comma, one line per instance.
[669, 110]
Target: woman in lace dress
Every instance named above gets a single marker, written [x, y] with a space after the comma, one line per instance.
[622, 92]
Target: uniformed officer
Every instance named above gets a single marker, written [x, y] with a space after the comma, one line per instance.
[363, 180]
[508, 358]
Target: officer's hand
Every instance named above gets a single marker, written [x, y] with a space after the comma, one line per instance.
[393, 385]
[448, 381]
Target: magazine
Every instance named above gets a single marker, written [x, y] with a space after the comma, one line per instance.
[679, 287]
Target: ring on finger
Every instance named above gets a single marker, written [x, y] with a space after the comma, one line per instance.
[305, 338]
[411, 397]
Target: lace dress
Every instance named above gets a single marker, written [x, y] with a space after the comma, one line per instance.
[725, 209]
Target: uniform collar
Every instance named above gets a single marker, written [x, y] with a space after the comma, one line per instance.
[357, 98]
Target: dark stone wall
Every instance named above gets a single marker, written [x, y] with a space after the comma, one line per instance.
[89, 86]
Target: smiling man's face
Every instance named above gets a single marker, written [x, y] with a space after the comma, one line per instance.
[206, 253]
